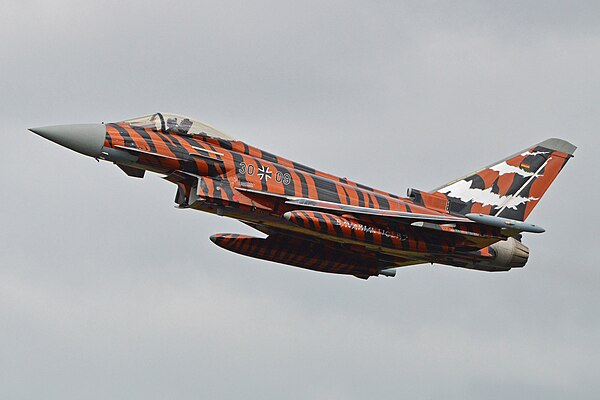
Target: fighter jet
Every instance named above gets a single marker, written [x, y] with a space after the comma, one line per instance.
[317, 221]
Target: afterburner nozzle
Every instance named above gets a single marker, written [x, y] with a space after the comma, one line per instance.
[83, 138]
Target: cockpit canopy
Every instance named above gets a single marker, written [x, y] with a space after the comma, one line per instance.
[176, 124]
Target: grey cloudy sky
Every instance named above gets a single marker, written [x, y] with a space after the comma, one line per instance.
[107, 291]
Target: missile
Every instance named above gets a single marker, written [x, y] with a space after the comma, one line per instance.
[505, 223]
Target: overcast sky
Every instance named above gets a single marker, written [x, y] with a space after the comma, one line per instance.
[107, 291]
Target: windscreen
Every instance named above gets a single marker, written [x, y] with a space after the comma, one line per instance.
[176, 124]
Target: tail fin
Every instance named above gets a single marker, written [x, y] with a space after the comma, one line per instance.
[512, 187]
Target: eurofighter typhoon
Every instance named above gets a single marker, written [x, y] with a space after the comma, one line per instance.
[321, 222]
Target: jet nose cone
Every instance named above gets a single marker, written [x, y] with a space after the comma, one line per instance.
[83, 138]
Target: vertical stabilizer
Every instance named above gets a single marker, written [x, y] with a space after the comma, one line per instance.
[512, 187]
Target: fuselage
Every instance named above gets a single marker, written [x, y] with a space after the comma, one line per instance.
[323, 222]
[234, 179]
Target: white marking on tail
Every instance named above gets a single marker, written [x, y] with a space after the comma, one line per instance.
[534, 153]
[504, 168]
[525, 185]
[462, 190]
